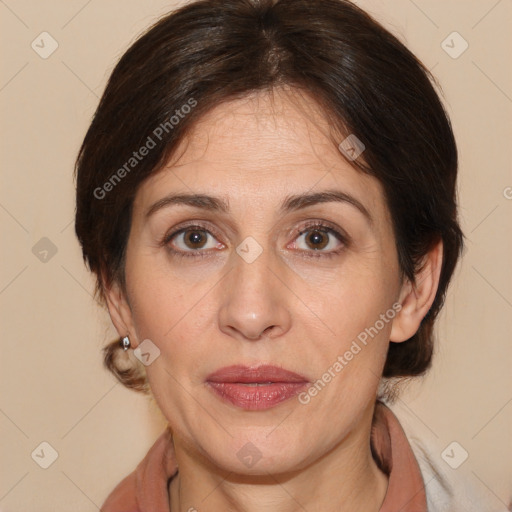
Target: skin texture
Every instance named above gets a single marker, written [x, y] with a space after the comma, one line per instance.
[284, 308]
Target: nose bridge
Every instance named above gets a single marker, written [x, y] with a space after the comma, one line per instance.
[253, 300]
[252, 266]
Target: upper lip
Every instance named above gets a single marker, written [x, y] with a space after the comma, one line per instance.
[248, 374]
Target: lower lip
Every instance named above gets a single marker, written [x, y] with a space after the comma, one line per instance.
[258, 397]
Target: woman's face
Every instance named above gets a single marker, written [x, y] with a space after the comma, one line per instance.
[257, 282]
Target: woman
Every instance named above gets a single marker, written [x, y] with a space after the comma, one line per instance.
[266, 195]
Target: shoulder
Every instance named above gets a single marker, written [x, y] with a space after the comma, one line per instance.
[447, 489]
[146, 487]
[123, 497]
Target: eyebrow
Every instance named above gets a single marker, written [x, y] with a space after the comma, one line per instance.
[291, 203]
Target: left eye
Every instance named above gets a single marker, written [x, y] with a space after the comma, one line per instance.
[318, 238]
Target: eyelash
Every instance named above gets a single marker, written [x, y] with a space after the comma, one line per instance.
[321, 226]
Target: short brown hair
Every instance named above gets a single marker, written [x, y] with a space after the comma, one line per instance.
[365, 81]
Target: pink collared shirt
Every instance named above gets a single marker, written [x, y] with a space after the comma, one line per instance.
[146, 488]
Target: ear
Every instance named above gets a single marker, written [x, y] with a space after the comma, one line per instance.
[120, 313]
[417, 298]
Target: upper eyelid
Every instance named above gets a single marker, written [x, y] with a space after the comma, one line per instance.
[321, 224]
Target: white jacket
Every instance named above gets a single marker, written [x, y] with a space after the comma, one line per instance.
[447, 489]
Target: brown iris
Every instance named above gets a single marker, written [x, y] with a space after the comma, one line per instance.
[195, 238]
[317, 239]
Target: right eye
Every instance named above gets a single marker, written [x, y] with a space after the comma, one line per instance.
[191, 241]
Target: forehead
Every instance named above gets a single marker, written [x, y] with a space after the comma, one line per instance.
[257, 149]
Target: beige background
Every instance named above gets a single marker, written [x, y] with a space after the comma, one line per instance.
[53, 386]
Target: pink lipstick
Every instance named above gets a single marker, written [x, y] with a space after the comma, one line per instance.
[255, 388]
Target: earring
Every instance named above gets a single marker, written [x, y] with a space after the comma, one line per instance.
[125, 343]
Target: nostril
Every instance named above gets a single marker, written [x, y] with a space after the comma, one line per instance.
[261, 334]
[270, 328]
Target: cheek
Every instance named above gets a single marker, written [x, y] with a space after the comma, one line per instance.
[349, 363]
[155, 296]
[360, 323]
[171, 312]
[357, 309]
[352, 297]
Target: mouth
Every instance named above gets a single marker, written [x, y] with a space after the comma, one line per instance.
[255, 388]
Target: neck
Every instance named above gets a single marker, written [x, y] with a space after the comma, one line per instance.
[344, 479]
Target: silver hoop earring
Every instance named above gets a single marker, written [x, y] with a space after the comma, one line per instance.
[125, 343]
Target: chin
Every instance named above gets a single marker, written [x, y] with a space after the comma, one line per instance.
[258, 453]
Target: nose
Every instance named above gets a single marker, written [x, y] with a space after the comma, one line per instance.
[255, 301]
